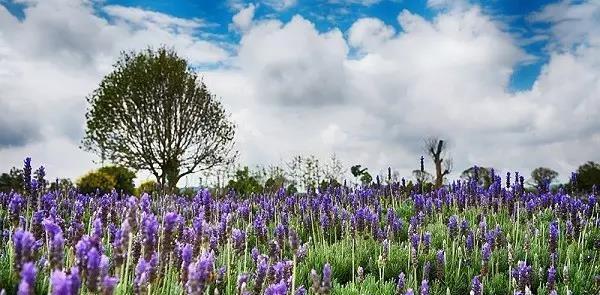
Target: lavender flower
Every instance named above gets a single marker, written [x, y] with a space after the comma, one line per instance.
[108, 285]
[93, 269]
[426, 241]
[277, 289]
[453, 226]
[486, 253]
[186, 259]
[201, 274]
[424, 287]
[27, 283]
[400, 284]
[326, 283]
[142, 277]
[553, 241]
[150, 235]
[440, 264]
[260, 275]
[57, 251]
[171, 221]
[60, 284]
[551, 277]
[470, 242]
[522, 273]
[476, 287]
[238, 238]
[23, 244]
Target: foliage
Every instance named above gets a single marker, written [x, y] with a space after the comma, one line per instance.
[123, 178]
[153, 112]
[587, 176]
[543, 177]
[244, 183]
[62, 184]
[96, 181]
[362, 174]
[12, 181]
[483, 175]
[149, 186]
[461, 239]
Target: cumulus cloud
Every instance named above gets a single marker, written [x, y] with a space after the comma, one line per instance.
[243, 19]
[369, 33]
[280, 4]
[293, 89]
[293, 64]
[53, 57]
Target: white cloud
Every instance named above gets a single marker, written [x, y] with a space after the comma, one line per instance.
[56, 55]
[243, 19]
[369, 33]
[293, 89]
[280, 4]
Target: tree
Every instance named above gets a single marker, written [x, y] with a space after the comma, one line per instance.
[12, 181]
[362, 174]
[152, 112]
[482, 175]
[96, 181]
[422, 176]
[543, 177]
[437, 149]
[123, 178]
[62, 184]
[244, 183]
[587, 176]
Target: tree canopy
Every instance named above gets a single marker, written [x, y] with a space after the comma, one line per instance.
[587, 176]
[154, 113]
[543, 177]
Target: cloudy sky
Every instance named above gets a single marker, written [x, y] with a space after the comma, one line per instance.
[512, 84]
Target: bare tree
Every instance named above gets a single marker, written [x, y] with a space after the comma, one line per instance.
[437, 150]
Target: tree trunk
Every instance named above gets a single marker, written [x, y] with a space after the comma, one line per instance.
[439, 177]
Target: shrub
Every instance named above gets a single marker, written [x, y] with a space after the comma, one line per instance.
[148, 186]
[123, 178]
[96, 181]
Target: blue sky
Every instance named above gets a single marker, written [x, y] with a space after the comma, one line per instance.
[217, 14]
[511, 84]
[513, 13]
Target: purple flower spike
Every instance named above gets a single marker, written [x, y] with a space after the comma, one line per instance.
[200, 274]
[401, 283]
[424, 287]
[108, 285]
[27, 284]
[476, 287]
[453, 226]
[238, 238]
[59, 283]
[277, 289]
[486, 252]
[57, 251]
[94, 259]
[551, 277]
[24, 244]
[409, 292]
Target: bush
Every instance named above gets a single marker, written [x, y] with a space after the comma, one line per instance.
[96, 181]
[148, 186]
[123, 178]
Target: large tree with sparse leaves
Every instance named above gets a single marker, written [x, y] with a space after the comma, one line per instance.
[154, 113]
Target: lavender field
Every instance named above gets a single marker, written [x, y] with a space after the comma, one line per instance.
[380, 239]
